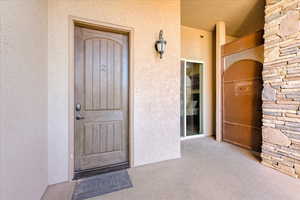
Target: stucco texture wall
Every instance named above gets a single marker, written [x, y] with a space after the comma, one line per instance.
[156, 81]
[195, 47]
[230, 38]
[197, 44]
[23, 87]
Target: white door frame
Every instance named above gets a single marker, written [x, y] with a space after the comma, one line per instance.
[73, 20]
[185, 137]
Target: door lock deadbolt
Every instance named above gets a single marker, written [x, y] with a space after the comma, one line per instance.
[78, 107]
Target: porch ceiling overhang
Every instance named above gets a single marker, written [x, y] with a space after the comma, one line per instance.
[241, 16]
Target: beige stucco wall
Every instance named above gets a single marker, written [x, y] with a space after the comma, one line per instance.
[230, 38]
[156, 82]
[196, 48]
[256, 53]
[23, 87]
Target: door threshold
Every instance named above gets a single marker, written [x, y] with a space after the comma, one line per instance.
[194, 137]
[100, 170]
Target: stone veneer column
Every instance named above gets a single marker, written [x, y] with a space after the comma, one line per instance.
[281, 94]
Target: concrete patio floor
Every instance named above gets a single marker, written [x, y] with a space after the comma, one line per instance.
[208, 170]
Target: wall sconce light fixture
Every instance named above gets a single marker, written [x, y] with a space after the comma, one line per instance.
[160, 45]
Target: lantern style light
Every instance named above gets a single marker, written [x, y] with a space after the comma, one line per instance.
[160, 45]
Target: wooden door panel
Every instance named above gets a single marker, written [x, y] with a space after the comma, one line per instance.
[246, 136]
[241, 91]
[102, 144]
[242, 113]
[103, 81]
[243, 104]
[101, 137]
[245, 70]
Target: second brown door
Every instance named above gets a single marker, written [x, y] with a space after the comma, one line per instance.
[242, 88]
[242, 111]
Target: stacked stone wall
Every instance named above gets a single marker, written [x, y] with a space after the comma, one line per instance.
[281, 94]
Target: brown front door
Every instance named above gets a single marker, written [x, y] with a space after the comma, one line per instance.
[101, 99]
[242, 88]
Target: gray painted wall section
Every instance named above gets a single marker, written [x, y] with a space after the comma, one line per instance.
[23, 48]
[1, 105]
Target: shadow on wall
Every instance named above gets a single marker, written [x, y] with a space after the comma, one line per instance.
[214, 79]
[257, 14]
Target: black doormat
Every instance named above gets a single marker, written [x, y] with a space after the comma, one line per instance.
[101, 184]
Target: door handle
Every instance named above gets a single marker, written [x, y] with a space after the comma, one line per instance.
[79, 117]
[78, 108]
